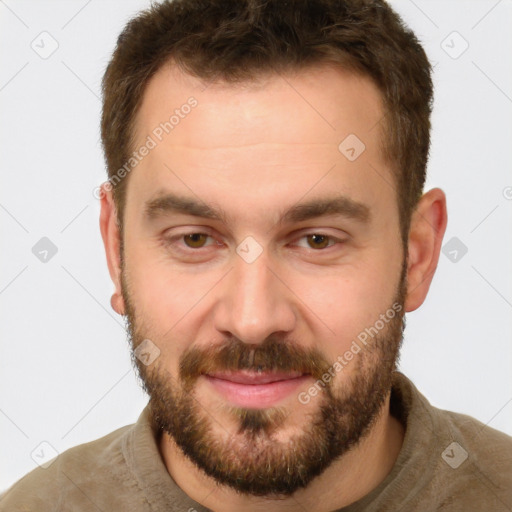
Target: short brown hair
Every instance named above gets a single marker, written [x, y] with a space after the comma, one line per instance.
[239, 40]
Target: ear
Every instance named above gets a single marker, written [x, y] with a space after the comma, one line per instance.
[428, 225]
[112, 242]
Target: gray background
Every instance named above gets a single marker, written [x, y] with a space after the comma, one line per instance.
[65, 373]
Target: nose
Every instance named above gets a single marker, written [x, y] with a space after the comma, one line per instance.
[254, 303]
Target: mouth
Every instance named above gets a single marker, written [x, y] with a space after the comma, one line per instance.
[255, 390]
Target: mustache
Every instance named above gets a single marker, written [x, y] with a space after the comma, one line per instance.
[274, 354]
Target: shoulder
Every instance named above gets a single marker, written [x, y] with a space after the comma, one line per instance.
[449, 461]
[488, 451]
[474, 464]
[72, 477]
[478, 435]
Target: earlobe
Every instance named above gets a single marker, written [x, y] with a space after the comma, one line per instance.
[428, 225]
[112, 243]
[117, 303]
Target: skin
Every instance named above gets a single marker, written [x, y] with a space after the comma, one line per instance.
[255, 151]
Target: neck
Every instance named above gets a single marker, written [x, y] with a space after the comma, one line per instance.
[347, 480]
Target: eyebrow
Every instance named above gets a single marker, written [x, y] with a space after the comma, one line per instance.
[338, 205]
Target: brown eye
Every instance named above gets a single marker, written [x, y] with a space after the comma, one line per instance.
[318, 241]
[195, 240]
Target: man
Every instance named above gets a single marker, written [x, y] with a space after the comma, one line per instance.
[266, 231]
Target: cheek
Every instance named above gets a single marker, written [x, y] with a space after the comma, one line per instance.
[158, 299]
[159, 290]
[170, 303]
[343, 304]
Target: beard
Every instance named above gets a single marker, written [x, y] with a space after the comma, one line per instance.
[255, 461]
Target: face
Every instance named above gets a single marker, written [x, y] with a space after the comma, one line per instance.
[263, 272]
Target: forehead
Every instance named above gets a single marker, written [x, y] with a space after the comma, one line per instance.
[260, 139]
[328, 101]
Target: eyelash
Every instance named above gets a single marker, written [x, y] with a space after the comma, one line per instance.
[171, 241]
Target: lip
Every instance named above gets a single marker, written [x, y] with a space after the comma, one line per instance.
[255, 390]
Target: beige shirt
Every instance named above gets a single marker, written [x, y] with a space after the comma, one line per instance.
[448, 462]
